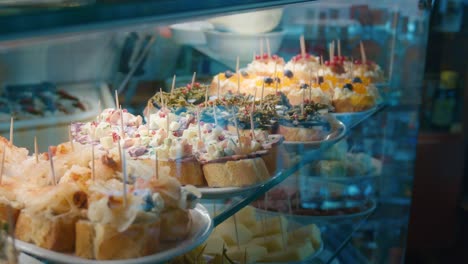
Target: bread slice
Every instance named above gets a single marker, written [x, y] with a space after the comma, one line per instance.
[187, 171]
[175, 224]
[235, 173]
[54, 232]
[105, 242]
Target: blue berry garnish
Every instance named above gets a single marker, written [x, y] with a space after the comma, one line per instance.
[321, 79]
[245, 74]
[268, 80]
[348, 86]
[304, 86]
[228, 74]
[288, 73]
[357, 80]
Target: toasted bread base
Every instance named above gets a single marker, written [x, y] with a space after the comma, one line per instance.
[56, 233]
[276, 159]
[236, 173]
[6, 210]
[105, 242]
[186, 171]
[175, 224]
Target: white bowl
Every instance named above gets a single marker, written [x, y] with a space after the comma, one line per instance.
[249, 23]
[190, 33]
[229, 45]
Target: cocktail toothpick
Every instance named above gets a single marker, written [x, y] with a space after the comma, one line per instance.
[252, 127]
[173, 84]
[11, 130]
[36, 150]
[363, 53]
[51, 159]
[302, 43]
[261, 96]
[2, 166]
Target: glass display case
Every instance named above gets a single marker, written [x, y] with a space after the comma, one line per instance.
[296, 120]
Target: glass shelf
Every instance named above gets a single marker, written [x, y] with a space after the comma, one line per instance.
[26, 21]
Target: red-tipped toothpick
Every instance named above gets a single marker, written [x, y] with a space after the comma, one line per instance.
[51, 159]
[302, 43]
[173, 84]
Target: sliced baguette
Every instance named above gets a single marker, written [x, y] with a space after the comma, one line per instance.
[187, 171]
[235, 173]
[105, 242]
[54, 232]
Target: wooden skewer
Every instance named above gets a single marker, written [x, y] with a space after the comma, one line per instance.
[125, 177]
[93, 172]
[261, 48]
[120, 151]
[268, 47]
[156, 165]
[261, 96]
[219, 87]
[11, 130]
[302, 43]
[99, 110]
[193, 79]
[238, 75]
[276, 79]
[3, 164]
[116, 99]
[173, 84]
[51, 159]
[121, 123]
[252, 127]
[237, 232]
[339, 47]
[36, 150]
[214, 116]
[363, 52]
[70, 138]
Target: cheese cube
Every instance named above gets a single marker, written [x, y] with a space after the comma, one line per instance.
[308, 232]
[227, 231]
[246, 254]
[271, 226]
[292, 253]
[214, 245]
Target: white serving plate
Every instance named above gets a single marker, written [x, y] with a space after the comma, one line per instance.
[229, 192]
[202, 226]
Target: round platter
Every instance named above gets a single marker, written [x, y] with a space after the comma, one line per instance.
[338, 134]
[353, 118]
[307, 219]
[202, 226]
[229, 192]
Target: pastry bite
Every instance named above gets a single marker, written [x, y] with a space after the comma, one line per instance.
[310, 93]
[232, 82]
[355, 96]
[303, 67]
[265, 65]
